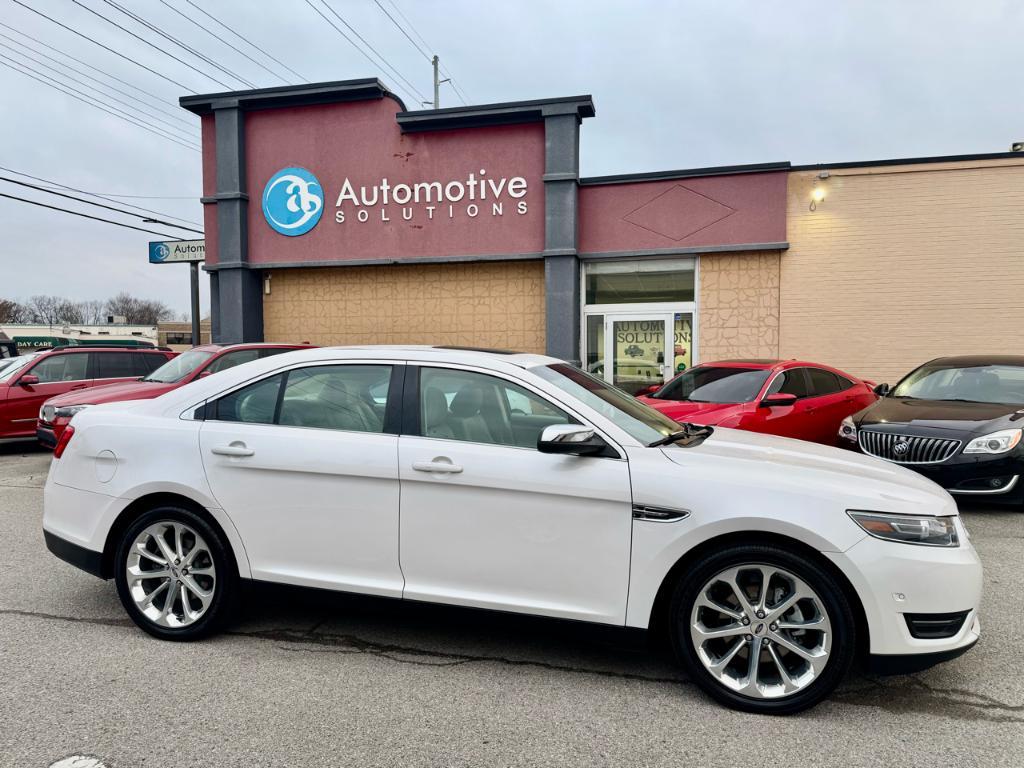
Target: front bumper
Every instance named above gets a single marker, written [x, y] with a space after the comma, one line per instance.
[48, 433]
[894, 579]
[46, 437]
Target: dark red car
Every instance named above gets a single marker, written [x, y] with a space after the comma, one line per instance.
[790, 398]
[189, 366]
[27, 381]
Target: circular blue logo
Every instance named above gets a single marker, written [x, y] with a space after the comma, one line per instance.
[293, 201]
[161, 252]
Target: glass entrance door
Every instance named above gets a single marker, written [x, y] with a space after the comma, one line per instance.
[638, 352]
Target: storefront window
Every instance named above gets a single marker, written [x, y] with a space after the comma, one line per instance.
[640, 281]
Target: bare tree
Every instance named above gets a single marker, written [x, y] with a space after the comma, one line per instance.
[92, 312]
[138, 311]
[12, 311]
[47, 310]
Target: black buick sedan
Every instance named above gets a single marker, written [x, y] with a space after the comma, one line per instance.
[956, 420]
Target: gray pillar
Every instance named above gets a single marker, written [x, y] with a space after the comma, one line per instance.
[237, 300]
[561, 219]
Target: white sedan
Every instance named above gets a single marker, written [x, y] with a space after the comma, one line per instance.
[519, 483]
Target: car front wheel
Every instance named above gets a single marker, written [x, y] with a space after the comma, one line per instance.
[173, 574]
[762, 629]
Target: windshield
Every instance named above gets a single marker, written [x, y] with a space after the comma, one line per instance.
[177, 369]
[708, 384]
[640, 421]
[976, 384]
[9, 368]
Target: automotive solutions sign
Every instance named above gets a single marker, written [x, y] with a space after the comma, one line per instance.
[293, 200]
[176, 251]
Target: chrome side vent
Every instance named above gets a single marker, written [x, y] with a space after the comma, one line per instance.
[659, 514]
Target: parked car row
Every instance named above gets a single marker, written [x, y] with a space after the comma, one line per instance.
[955, 420]
[41, 391]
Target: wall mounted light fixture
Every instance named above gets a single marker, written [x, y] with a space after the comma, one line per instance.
[818, 191]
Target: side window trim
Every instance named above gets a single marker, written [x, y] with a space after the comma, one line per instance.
[411, 402]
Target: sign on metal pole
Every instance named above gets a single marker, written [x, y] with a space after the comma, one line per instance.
[177, 251]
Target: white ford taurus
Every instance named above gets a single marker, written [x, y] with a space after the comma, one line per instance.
[519, 483]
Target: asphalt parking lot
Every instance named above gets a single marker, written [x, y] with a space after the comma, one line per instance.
[321, 679]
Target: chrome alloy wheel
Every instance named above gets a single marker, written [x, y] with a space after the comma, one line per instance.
[761, 631]
[170, 574]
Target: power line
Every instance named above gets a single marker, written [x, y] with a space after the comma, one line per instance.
[245, 40]
[86, 74]
[177, 42]
[190, 20]
[412, 89]
[101, 45]
[150, 114]
[107, 197]
[134, 87]
[402, 30]
[98, 205]
[87, 216]
[151, 44]
[71, 92]
[416, 45]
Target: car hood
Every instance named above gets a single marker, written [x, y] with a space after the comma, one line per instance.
[113, 393]
[840, 478]
[697, 413]
[946, 415]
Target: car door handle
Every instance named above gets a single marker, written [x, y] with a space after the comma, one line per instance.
[235, 449]
[80, 386]
[437, 466]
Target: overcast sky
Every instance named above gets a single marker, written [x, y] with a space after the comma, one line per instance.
[676, 85]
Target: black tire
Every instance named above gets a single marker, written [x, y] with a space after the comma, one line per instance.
[226, 587]
[836, 605]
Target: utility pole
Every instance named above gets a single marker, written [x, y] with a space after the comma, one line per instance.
[437, 83]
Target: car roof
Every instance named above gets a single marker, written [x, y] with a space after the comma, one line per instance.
[63, 350]
[252, 345]
[974, 361]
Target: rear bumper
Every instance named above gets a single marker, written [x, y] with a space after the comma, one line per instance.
[80, 557]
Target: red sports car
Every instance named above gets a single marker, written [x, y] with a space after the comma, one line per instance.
[789, 398]
[189, 366]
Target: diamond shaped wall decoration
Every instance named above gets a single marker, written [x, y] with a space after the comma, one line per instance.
[678, 213]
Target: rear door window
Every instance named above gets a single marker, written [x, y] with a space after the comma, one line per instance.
[823, 382]
[351, 398]
[117, 365]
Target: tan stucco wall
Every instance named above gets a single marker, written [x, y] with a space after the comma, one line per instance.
[738, 309]
[901, 264]
[489, 304]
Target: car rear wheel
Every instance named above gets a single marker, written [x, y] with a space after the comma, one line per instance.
[762, 629]
[174, 575]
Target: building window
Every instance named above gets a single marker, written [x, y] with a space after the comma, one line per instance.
[179, 338]
[640, 281]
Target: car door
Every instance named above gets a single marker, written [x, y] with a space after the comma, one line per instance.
[307, 471]
[829, 403]
[489, 521]
[57, 374]
[796, 420]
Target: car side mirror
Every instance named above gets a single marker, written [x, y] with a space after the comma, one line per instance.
[28, 380]
[882, 390]
[777, 400]
[573, 439]
[204, 374]
[648, 390]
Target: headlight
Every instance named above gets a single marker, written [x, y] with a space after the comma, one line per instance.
[997, 442]
[908, 529]
[848, 430]
[67, 411]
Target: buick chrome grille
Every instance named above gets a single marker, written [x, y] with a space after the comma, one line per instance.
[906, 449]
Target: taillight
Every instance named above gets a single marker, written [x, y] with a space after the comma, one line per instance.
[65, 438]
